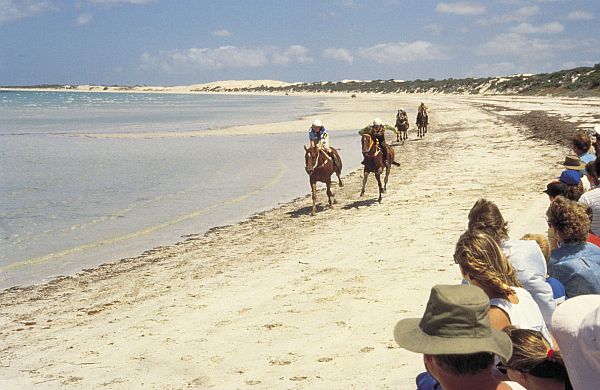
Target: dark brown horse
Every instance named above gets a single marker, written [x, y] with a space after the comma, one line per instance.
[402, 127]
[374, 163]
[422, 122]
[320, 167]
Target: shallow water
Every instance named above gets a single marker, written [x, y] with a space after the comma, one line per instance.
[71, 202]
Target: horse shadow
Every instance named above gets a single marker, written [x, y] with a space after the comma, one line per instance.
[306, 211]
[360, 203]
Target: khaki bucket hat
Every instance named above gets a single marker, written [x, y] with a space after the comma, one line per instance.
[455, 321]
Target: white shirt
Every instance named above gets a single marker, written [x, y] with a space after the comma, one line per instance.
[530, 265]
[592, 199]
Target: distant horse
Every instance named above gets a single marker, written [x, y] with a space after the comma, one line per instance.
[319, 167]
[422, 122]
[402, 127]
[374, 163]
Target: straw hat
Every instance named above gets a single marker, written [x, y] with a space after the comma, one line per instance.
[574, 162]
[455, 321]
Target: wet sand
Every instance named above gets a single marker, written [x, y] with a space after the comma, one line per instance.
[286, 300]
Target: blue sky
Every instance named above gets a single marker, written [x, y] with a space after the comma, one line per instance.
[181, 42]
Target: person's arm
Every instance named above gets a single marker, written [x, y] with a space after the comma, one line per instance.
[364, 130]
[388, 127]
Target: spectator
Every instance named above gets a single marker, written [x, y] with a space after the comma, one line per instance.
[592, 199]
[534, 364]
[575, 263]
[558, 290]
[483, 264]
[524, 255]
[576, 326]
[456, 340]
[574, 163]
[580, 144]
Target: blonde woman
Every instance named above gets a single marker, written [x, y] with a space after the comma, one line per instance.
[483, 264]
[534, 364]
[525, 256]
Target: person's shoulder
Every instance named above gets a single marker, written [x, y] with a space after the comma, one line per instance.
[508, 385]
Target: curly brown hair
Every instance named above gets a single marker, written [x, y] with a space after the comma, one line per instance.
[485, 216]
[573, 191]
[569, 219]
[480, 256]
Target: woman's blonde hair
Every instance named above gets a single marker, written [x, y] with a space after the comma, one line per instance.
[569, 219]
[533, 354]
[542, 242]
[486, 216]
[479, 256]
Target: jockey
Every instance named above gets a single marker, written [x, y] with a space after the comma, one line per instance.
[401, 116]
[377, 131]
[423, 112]
[319, 137]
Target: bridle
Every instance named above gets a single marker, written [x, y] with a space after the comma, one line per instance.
[371, 145]
[317, 166]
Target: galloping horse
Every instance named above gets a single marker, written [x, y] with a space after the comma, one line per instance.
[319, 167]
[422, 121]
[374, 163]
[402, 127]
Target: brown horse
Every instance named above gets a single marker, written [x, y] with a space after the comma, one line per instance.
[402, 127]
[374, 163]
[422, 122]
[320, 167]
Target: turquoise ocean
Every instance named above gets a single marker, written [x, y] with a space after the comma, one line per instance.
[71, 200]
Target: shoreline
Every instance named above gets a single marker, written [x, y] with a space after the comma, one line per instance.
[291, 313]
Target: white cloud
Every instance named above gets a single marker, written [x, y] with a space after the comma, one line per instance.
[401, 52]
[83, 19]
[521, 15]
[461, 8]
[222, 33]
[339, 54]
[224, 57]
[520, 46]
[12, 10]
[548, 28]
[580, 15]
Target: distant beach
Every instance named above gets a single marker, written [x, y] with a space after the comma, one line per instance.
[283, 299]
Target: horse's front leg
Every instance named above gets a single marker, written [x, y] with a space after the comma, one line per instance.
[330, 194]
[365, 176]
[313, 189]
[385, 180]
[378, 177]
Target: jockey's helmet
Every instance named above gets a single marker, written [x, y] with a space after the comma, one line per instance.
[377, 122]
[317, 123]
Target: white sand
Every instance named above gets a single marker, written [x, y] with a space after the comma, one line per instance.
[286, 300]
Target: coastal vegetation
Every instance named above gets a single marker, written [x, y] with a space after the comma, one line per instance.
[576, 82]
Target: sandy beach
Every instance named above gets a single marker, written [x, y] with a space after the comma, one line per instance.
[285, 300]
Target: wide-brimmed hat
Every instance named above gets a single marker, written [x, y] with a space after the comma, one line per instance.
[574, 162]
[576, 327]
[455, 321]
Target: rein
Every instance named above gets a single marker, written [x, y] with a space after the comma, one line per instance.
[371, 145]
[317, 166]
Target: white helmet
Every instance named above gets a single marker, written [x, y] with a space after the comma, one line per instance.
[317, 123]
[377, 122]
